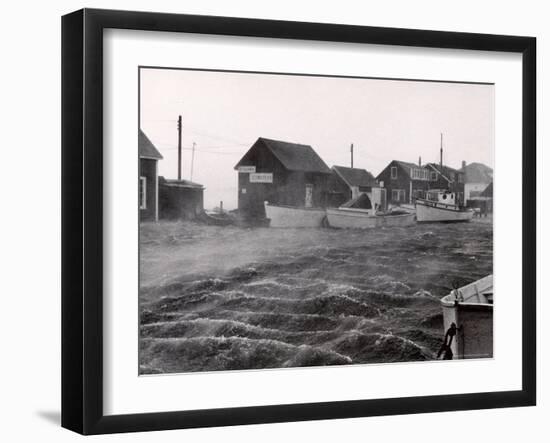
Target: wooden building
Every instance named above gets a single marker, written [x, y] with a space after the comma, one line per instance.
[281, 173]
[404, 182]
[348, 183]
[148, 178]
[180, 199]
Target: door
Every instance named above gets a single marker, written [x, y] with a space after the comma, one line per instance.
[309, 196]
[383, 199]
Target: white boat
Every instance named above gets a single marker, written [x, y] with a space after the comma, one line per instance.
[468, 321]
[441, 206]
[293, 217]
[359, 214]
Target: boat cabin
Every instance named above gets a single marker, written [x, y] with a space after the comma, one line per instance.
[442, 196]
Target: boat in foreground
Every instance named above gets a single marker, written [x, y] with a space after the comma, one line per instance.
[441, 206]
[468, 321]
[359, 214]
[293, 217]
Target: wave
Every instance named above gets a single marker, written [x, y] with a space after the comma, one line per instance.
[230, 353]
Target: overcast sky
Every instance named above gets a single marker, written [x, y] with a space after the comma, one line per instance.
[224, 114]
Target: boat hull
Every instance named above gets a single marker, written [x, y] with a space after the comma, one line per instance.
[292, 217]
[436, 212]
[342, 218]
[473, 318]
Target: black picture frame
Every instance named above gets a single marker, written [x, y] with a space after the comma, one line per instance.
[82, 220]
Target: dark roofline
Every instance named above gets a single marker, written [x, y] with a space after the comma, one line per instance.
[271, 144]
[145, 144]
[338, 171]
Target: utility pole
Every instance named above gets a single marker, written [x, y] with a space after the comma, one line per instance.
[179, 147]
[192, 160]
[351, 150]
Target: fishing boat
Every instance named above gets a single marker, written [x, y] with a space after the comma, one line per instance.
[293, 217]
[441, 206]
[468, 321]
[358, 213]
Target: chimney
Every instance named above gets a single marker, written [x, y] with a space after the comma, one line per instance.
[419, 161]
[463, 164]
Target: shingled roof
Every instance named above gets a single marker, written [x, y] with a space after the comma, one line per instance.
[147, 148]
[355, 176]
[478, 173]
[293, 156]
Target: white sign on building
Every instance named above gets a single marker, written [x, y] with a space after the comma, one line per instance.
[261, 177]
[247, 169]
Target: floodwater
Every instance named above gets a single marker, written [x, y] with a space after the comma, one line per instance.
[226, 298]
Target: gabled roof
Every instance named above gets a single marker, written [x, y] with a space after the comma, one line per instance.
[445, 171]
[355, 176]
[407, 166]
[293, 156]
[478, 173]
[147, 148]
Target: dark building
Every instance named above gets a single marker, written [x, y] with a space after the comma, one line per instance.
[404, 182]
[281, 173]
[180, 199]
[148, 178]
[348, 183]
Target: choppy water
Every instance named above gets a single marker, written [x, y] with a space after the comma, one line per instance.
[224, 298]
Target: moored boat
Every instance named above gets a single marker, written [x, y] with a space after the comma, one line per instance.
[468, 321]
[441, 206]
[359, 214]
[293, 217]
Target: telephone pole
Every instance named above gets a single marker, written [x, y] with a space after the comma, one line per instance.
[351, 151]
[179, 147]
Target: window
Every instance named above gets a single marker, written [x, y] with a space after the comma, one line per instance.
[433, 176]
[398, 195]
[143, 193]
[394, 172]
[460, 178]
[420, 174]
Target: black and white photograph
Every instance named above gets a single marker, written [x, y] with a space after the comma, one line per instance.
[296, 220]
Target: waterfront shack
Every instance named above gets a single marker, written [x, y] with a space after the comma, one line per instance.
[281, 173]
[180, 199]
[148, 178]
[348, 183]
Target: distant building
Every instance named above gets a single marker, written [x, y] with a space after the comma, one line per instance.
[180, 199]
[477, 177]
[348, 183]
[281, 173]
[404, 181]
[148, 178]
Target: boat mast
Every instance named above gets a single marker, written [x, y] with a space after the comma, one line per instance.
[441, 154]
